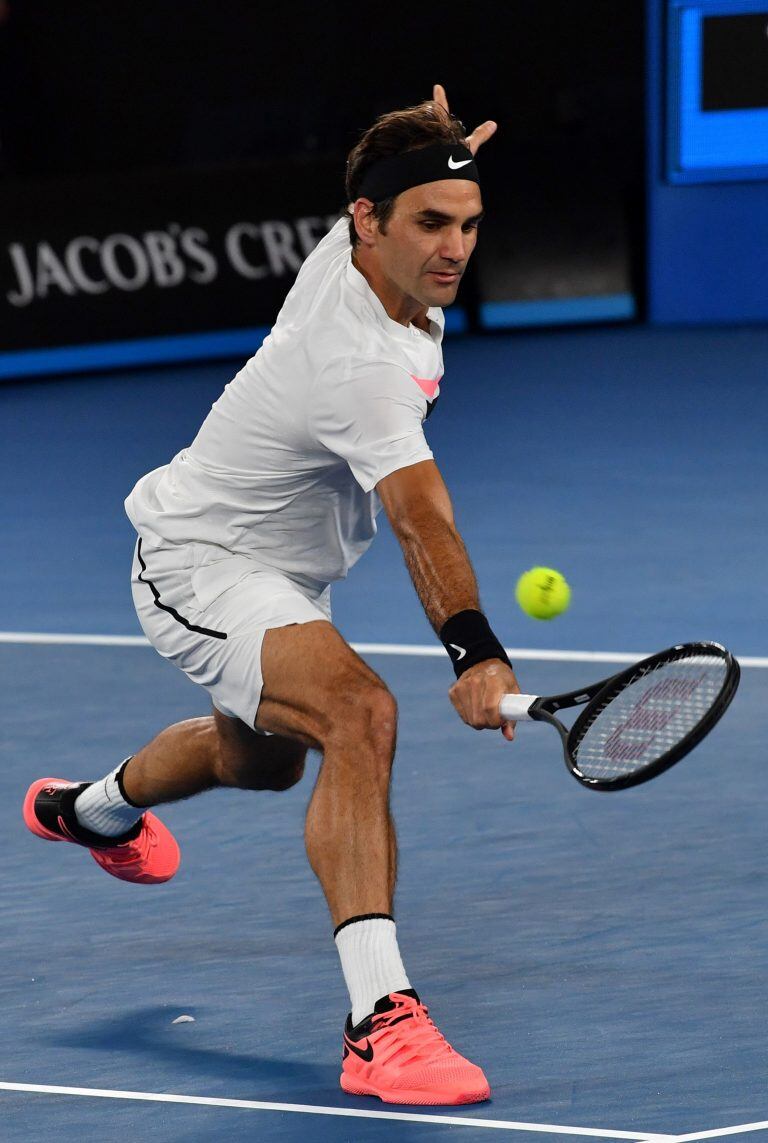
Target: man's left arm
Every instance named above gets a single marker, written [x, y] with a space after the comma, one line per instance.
[419, 509]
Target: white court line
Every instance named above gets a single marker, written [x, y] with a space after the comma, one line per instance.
[51, 639]
[348, 1112]
[413, 649]
[740, 1129]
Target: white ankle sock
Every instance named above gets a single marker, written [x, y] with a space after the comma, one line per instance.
[102, 807]
[370, 961]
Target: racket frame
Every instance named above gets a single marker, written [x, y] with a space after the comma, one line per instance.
[599, 695]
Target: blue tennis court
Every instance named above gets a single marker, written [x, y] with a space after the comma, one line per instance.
[604, 958]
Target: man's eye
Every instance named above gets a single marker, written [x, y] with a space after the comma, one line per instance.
[430, 225]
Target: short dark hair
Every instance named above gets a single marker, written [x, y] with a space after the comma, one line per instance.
[392, 133]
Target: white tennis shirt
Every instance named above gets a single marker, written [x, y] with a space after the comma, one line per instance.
[284, 467]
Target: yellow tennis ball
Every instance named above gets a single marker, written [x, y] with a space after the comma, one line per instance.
[543, 593]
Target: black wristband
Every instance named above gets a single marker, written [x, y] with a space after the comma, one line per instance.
[468, 639]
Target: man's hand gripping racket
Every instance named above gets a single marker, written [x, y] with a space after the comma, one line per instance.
[639, 722]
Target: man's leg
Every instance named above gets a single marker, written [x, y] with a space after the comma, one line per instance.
[318, 693]
[203, 753]
[186, 759]
[318, 690]
[111, 816]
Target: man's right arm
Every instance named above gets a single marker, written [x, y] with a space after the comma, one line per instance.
[419, 509]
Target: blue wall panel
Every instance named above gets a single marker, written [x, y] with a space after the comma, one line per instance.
[707, 243]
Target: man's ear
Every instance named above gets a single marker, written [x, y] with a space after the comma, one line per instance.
[366, 225]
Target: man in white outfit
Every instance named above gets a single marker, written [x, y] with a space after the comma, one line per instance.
[242, 533]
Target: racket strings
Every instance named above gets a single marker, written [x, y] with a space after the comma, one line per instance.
[650, 716]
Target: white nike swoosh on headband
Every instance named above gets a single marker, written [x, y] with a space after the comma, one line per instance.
[455, 166]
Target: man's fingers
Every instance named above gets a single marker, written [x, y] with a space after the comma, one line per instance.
[476, 712]
[439, 96]
[477, 693]
[481, 135]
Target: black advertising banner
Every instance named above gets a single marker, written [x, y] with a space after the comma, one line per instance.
[171, 265]
[155, 253]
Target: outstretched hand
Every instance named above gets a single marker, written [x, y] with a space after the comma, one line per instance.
[477, 693]
[480, 134]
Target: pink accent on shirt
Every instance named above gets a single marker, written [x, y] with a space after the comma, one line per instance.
[427, 385]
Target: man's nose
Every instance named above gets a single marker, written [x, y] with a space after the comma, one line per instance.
[452, 248]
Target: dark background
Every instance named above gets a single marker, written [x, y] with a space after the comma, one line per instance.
[88, 86]
[735, 71]
[134, 118]
[127, 118]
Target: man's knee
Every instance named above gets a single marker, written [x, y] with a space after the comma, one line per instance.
[364, 712]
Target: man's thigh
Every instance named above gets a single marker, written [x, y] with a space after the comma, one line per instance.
[312, 680]
[209, 619]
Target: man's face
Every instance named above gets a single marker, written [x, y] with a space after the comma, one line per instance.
[428, 239]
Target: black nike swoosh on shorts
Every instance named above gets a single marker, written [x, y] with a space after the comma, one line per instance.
[366, 1055]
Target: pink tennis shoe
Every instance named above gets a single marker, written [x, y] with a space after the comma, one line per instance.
[398, 1054]
[147, 853]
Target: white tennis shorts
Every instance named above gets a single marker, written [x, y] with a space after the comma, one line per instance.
[207, 610]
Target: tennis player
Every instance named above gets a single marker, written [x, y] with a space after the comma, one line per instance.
[242, 533]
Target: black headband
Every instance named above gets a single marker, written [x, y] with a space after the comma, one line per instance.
[396, 173]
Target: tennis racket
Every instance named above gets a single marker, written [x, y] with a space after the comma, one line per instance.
[639, 722]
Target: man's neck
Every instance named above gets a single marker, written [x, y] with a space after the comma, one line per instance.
[400, 307]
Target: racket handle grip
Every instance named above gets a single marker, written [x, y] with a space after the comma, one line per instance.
[514, 707]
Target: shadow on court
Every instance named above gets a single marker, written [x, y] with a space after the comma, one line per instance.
[145, 1032]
